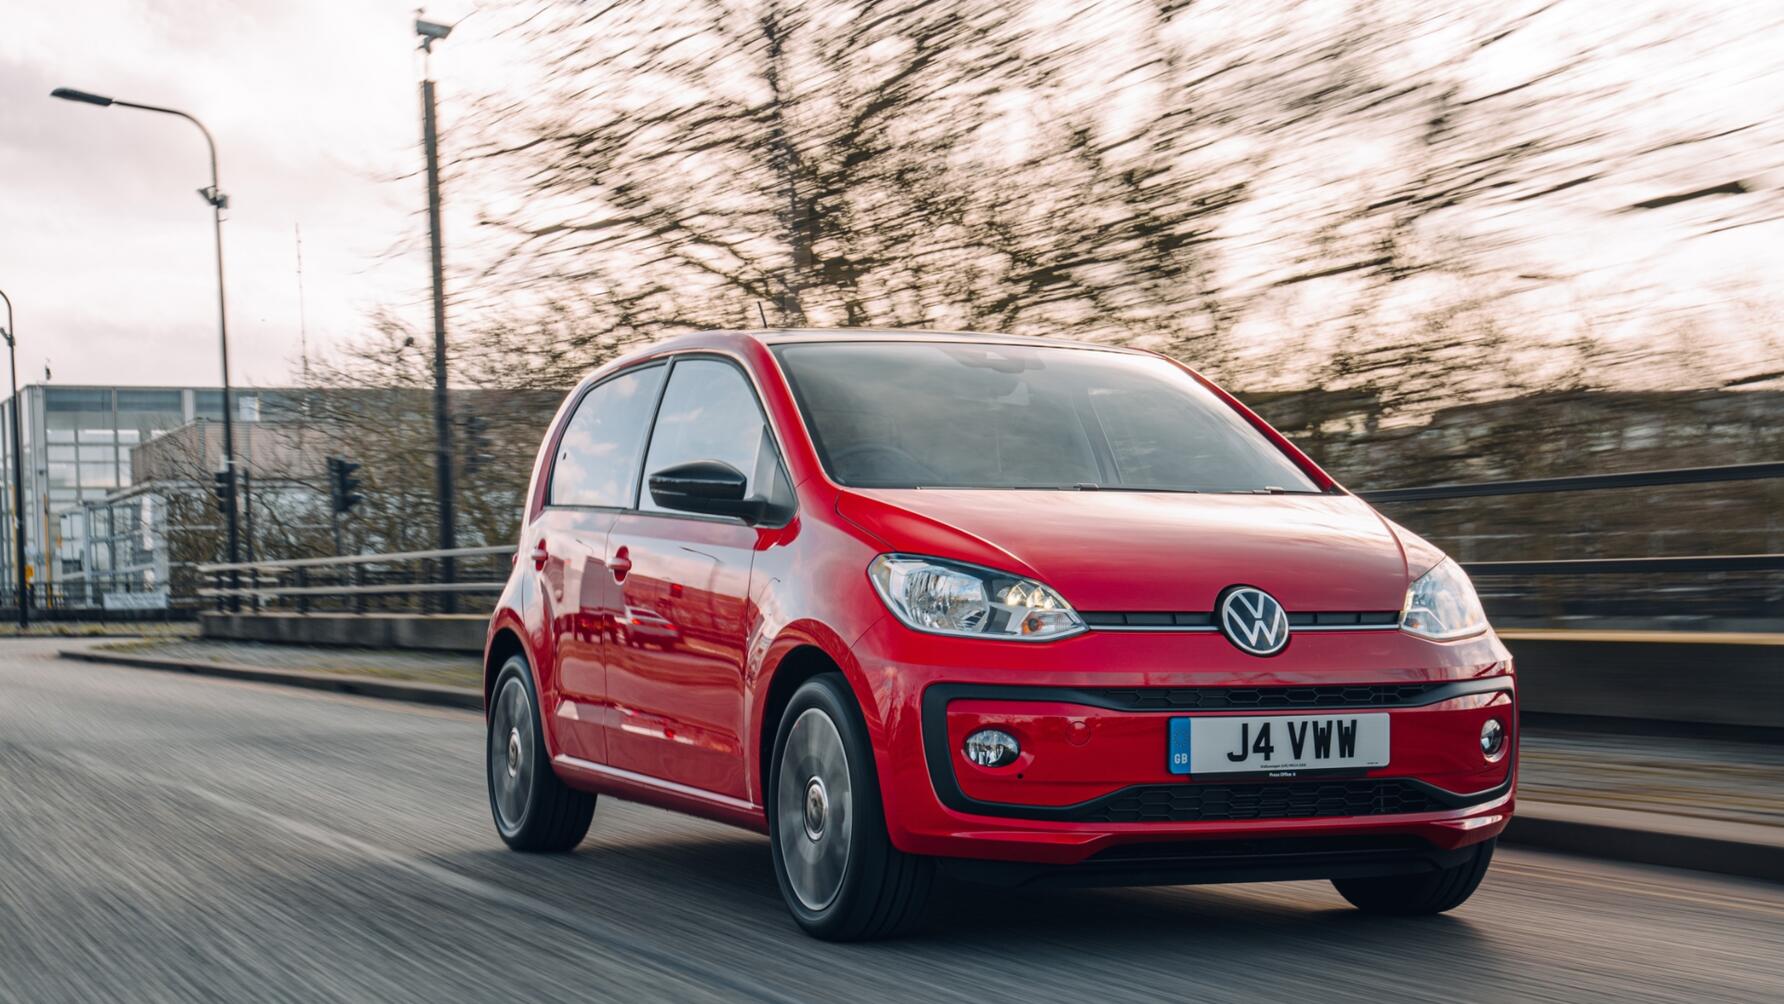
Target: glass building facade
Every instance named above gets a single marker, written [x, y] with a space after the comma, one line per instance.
[76, 442]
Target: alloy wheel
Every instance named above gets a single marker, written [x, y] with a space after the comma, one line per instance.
[510, 754]
[814, 809]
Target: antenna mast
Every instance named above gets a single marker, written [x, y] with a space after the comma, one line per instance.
[303, 333]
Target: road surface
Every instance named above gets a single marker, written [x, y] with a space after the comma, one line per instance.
[165, 837]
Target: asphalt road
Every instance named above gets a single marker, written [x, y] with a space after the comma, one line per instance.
[165, 837]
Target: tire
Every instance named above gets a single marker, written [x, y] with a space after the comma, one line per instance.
[1419, 895]
[534, 810]
[840, 875]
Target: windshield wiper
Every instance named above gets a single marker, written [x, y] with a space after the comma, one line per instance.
[993, 488]
[1081, 486]
[1089, 486]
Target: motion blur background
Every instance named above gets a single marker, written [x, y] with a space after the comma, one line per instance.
[1437, 242]
[1434, 241]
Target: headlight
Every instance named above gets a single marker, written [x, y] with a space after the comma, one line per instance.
[1442, 604]
[948, 597]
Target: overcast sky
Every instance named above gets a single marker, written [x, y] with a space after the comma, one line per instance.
[105, 248]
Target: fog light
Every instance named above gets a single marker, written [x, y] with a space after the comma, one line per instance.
[992, 748]
[1492, 739]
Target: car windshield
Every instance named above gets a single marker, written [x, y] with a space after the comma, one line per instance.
[994, 415]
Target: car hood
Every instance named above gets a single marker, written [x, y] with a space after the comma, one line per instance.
[1133, 551]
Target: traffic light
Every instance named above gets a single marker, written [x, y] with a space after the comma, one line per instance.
[343, 487]
[225, 491]
[477, 445]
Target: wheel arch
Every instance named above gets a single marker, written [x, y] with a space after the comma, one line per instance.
[504, 644]
[802, 650]
[799, 664]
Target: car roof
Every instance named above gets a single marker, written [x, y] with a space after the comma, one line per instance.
[730, 340]
[786, 336]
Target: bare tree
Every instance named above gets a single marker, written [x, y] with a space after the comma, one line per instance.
[1375, 200]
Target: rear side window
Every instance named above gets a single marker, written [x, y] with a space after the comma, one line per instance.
[709, 412]
[597, 460]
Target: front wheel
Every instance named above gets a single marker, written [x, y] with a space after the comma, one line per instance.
[838, 871]
[533, 808]
[1419, 895]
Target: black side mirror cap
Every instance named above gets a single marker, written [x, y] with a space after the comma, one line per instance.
[709, 487]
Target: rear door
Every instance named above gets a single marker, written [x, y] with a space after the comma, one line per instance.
[675, 665]
[594, 474]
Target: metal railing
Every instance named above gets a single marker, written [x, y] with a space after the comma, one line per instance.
[416, 580]
[1678, 589]
[360, 583]
[1581, 483]
[1602, 482]
[1632, 566]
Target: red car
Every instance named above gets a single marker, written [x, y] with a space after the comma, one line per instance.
[1008, 610]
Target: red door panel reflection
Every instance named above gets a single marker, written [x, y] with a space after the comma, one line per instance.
[573, 585]
[675, 658]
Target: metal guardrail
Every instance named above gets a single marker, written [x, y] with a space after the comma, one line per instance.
[1601, 482]
[1632, 566]
[354, 577]
[1581, 483]
[359, 579]
[358, 559]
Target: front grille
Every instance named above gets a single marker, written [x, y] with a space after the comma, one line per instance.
[1244, 698]
[1203, 620]
[1188, 803]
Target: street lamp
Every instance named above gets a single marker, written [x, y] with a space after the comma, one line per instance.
[18, 471]
[219, 202]
[430, 33]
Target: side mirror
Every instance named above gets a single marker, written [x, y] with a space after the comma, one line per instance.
[710, 487]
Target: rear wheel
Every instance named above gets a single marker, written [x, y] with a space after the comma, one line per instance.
[838, 871]
[534, 810]
[1418, 895]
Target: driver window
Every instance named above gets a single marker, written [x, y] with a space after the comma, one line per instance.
[709, 412]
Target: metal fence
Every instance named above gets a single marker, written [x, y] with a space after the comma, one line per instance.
[1675, 590]
[401, 582]
[1687, 586]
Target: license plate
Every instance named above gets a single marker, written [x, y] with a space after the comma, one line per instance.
[1290, 743]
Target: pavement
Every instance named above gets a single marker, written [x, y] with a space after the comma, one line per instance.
[99, 629]
[459, 669]
[184, 838]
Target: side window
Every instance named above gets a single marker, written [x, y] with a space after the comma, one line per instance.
[709, 412]
[597, 460]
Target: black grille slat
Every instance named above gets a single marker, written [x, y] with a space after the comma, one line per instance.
[1188, 803]
[1204, 619]
[1269, 698]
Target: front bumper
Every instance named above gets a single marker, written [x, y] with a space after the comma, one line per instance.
[1093, 787]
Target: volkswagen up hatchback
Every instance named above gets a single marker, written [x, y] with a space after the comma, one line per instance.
[1002, 609]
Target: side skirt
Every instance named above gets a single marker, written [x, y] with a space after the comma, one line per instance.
[634, 787]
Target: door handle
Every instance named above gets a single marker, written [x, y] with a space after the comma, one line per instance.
[620, 564]
[540, 556]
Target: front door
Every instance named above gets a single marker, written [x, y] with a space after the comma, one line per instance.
[676, 659]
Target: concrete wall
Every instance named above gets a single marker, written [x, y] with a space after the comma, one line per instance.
[433, 632]
[1676, 676]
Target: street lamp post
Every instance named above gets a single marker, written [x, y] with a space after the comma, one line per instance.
[18, 473]
[430, 33]
[219, 202]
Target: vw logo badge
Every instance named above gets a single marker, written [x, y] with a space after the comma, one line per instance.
[1253, 620]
